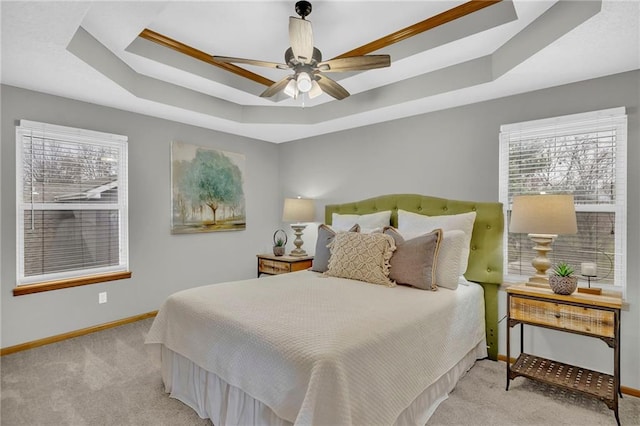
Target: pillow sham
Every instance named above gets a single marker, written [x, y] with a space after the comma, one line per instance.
[414, 261]
[363, 257]
[449, 260]
[322, 254]
[413, 224]
[368, 222]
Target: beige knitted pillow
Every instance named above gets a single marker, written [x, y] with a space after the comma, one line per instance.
[363, 257]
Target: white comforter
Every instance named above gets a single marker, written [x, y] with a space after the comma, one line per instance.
[323, 351]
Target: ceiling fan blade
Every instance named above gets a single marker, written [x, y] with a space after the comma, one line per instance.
[227, 59]
[332, 88]
[301, 39]
[355, 63]
[275, 87]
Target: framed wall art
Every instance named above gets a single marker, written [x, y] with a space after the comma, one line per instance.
[207, 190]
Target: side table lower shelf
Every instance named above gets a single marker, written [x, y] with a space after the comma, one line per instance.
[588, 382]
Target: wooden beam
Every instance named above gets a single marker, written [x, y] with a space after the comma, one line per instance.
[415, 29]
[165, 41]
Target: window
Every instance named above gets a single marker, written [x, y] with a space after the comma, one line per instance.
[71, 205]
[581, 154]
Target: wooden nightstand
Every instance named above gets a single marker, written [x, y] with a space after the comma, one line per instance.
[274, 265]
[585, 314]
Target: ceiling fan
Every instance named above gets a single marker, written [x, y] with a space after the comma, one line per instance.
[306, 62]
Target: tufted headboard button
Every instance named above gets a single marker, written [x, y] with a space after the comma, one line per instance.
[419, 209]
[445, 208]
[488, 269]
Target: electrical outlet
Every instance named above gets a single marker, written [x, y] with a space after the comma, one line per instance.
[102, 297]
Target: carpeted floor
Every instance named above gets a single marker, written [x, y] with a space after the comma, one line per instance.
[107, 378]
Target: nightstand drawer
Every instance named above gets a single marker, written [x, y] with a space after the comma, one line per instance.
[593, 321]
[274, 267]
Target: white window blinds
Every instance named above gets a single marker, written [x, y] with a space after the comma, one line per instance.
[581, 154]
[71, 202]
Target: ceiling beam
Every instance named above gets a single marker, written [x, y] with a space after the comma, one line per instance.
[202, 56]
[420, 27]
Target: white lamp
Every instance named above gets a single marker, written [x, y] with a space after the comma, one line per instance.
[298, 210]
[543, 217]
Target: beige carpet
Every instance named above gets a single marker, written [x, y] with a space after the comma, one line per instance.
[106, 378]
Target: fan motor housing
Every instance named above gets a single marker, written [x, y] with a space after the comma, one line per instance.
[290, 60]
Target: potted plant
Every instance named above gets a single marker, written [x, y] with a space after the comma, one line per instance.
[562, 280]
[279, 242]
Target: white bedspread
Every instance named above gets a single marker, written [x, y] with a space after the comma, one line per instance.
[322, 350]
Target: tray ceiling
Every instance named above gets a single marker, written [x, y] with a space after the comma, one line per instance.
[91, 51]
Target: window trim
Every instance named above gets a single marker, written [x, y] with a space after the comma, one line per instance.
[575, 122]
[23, 289]
[58, 280]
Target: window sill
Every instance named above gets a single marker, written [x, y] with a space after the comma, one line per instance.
[71, 282]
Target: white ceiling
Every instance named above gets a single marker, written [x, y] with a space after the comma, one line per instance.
[90, 51]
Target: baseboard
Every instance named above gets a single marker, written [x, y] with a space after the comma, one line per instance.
[624, 389]
[72, 334]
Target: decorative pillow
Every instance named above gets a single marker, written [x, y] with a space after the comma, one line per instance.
[368, 222]
[363, 257]
[414, 261]
[325, 236]
[449, 259]
[413, 224]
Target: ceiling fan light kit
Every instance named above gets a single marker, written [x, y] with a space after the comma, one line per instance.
[304, 82]
[306, 62]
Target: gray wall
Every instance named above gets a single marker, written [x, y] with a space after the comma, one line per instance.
[161, 263]
[454, 154]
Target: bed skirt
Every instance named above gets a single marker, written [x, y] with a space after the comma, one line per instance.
[213, 398]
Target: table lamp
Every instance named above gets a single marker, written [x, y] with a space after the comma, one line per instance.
[298, 210]
[543, 217]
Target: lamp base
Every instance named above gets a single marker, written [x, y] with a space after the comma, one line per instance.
[535, 282]
[298, 251]
[541, 262]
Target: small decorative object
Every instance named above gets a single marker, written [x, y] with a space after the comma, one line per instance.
[279, 242]
[589, 270]
[562, 280]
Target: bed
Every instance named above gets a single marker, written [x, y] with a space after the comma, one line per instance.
[303, 348]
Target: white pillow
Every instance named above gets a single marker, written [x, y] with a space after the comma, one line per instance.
[368, 222]
[449, 260]
[413, 224]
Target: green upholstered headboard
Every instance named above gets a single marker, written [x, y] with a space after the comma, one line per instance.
[485, 258]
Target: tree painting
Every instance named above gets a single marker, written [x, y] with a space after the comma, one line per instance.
[207, 190]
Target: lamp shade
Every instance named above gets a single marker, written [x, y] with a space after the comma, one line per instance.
[298, 210]
[543, 214]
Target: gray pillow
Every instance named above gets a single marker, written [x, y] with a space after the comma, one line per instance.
[414, 261]
[325, 236]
